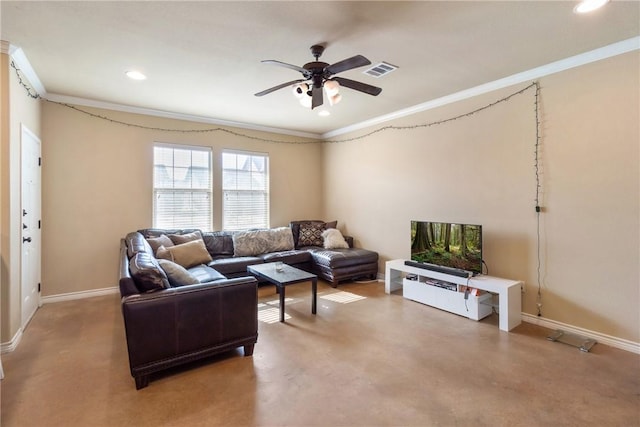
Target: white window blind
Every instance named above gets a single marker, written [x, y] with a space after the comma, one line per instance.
[245, 188]
[182, 187]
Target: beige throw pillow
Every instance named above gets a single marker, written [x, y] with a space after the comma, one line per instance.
[186, 254]
[156, 242]
[177, 274]
[178, 239]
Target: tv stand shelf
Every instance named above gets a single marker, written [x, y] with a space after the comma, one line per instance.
[446, 292]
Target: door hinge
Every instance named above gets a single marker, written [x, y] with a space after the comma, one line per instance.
[39, 161]
[38, 287]
[39, 225]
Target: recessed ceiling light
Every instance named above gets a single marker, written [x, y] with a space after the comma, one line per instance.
[324, 113]
[135, 75]
[586, 6]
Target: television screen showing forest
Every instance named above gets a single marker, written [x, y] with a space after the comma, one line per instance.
[451, 245]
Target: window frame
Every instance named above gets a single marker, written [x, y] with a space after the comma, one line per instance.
[265, 217]
[208, 211]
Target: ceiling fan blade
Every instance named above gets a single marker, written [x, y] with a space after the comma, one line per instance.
[273, 89]
[304, 71]
[347, 64]
[316, 97]
[359, 86]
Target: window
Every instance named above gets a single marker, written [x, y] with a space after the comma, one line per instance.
[181, 187]
[245, 188]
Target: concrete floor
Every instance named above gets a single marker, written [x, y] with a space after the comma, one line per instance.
[378, 360]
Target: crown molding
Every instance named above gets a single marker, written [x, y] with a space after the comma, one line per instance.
[5, 47]
[605, 52]
[23, 64]
[64, 99]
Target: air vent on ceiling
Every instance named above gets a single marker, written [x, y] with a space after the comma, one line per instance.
[379, 70]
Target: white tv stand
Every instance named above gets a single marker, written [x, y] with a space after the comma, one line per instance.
[475, 307]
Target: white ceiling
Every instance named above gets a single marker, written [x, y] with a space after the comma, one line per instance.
[203, 58]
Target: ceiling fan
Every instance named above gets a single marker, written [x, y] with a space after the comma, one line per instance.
[319, 75]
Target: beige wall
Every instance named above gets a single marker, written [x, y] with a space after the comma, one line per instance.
[97, 186]
[480, 169]
[22, 111]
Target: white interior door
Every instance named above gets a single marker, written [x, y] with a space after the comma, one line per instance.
[31, 223]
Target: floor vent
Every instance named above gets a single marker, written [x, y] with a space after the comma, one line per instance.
[583, 343]
[379, 70]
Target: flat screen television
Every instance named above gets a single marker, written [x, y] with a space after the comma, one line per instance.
[447, 244]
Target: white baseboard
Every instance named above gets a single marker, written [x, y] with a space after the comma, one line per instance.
[8, 347]
[616, 342]
[79, 295]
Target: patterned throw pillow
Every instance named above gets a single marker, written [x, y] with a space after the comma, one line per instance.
[263, 241]
[311, 234]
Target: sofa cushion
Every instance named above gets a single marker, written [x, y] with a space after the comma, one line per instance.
[295, 229]
[234, 265]
[256, 242]
[332, 239]
[205, 274]
[136, 243]
[147, 273]
[288, 257]
[218, 242]
[177, 274]
[156, 242]
[179, 239]
[186, 254]
[157, 232]
[338, 258]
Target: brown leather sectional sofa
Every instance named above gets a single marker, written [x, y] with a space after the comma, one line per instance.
[176, 325]
[186, 294]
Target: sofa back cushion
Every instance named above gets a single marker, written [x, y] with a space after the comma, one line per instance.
[256, 242]
[156, 232]
[147, 273]
[219, 243]
[137, 243]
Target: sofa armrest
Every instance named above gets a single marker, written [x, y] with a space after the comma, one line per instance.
[183, 321]
[349, 240]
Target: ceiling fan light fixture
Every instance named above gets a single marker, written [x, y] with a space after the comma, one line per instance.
[333, 100]
[318, 76]
[331, 87]
[135, 75]
[300, 90]
[305, 101]
[586, 6]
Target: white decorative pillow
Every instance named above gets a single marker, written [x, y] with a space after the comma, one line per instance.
[333, 239]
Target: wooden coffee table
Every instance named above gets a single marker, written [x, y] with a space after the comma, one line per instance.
[288, 276]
